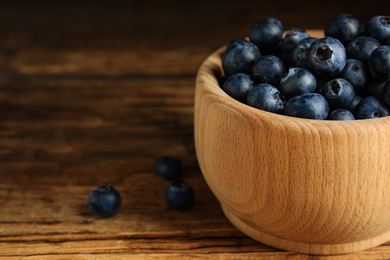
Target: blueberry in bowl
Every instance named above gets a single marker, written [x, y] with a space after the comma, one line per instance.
[310, 185]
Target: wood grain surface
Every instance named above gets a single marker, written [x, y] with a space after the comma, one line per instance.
[94, 93]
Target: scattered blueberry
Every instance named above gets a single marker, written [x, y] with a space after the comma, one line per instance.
[238, 85]
[180, 195]
[268, 69]
[240, 57]
[361, 48]
[344, 27]
[327, 57]
[296, 82]
[169, 167]
[379, 28]
[379, 62]
[266, 97]
[267, 33]
[371, 107]
[356, 73]
[341, 114]
[105, 201]
[310, 105]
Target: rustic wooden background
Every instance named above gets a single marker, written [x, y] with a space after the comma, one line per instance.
[92, 92]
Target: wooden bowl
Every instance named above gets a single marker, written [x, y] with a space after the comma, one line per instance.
[309, 186]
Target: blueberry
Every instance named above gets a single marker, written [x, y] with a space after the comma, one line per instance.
[298, 54]
[374, 88]
[371, 107]
[267, 33]
[268, 69]
[309, 105]
[105, 201]
[180, 195]
[239, 42]
[379, 28]
[379, 62]
[266, 97]
[355, 102]
[296, 82]
[238, 85]
[168, 167]
[290, 40]
[356, 73]
[386, 93]
[239, 57]
[341, 114]
[338, 92]
[344, 27]
[327, 57]
[361, 48]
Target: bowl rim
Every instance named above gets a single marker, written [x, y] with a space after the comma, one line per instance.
[210, 72]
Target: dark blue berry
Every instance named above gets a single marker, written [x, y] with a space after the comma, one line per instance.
[309, 105]
[268, 69]
[344, 27]
[105, 201]
[267, 33]
[296, 82]
[386, 93]
[298, 55]
[239, 42]
[239, 57]
[338, 92]
[266, 97]
[379, 28]
[379, 62]
[371, 107]
[355, 102]
[356, 73]
[361, 48]
[180, 195]
[237, 86]
[168, 167]
[290, 40]
[341, 114]
[374, 88]
[327, 57]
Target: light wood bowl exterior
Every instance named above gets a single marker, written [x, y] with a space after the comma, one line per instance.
[310, 186]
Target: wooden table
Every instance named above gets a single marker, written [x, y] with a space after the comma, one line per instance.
[93, 93]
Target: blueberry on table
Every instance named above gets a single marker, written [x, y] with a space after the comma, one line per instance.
[309, 105]
[379, 28]
[379, 63]
[356, 72]
[266, 97]
[237, 86]
[341, 114]
[180, 195]
[344, 27]
[327, 57]
[371, 107]
[168, 167]
[338, 92]
[296, 82]
[268, 69]
[239, 57]
[266, 33]
[105, 201]
[361, 48]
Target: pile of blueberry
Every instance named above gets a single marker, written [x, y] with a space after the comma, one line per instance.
[343, 76]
